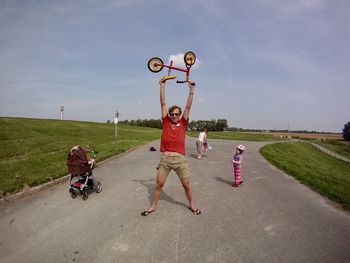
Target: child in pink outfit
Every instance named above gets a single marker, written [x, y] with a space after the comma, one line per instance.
[237, 164]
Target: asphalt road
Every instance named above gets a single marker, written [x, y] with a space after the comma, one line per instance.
[270, 218]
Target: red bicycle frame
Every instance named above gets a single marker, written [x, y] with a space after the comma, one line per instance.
[156, 64]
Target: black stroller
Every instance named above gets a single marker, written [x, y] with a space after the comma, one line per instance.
[80, 168]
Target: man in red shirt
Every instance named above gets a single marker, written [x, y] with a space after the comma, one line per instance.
[172, 147]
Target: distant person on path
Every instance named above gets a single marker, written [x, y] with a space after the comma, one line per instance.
[237, 164]
[172, 147]
[201, 142]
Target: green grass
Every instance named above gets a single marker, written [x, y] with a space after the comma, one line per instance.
[34, 151]
[337, 146]
[321, 172]
[238, 136]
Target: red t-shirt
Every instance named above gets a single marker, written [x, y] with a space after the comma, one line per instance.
[173, 136]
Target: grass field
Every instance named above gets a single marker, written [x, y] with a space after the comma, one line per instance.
[337, 146]
[308, 136]
[34, 151]
[321, 172]
[239, 136]
[332, 141]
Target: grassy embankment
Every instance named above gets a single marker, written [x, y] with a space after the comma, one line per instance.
[324, 174]
[332, 141]
[337, 146]
[34, 151]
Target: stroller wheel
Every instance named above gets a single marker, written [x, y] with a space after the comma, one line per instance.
[85, 196]
[99, 188]
[73, 193]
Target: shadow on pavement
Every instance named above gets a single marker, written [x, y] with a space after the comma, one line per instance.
[223, 180]
[194, 156]
[149, 184]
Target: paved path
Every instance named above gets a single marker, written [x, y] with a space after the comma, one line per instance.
[271, 218]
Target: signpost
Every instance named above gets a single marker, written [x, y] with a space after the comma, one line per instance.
[116, 124]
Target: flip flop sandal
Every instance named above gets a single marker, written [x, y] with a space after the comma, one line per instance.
[146, 213]
[195, 211]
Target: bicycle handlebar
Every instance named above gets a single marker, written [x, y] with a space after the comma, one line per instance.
[184, 81]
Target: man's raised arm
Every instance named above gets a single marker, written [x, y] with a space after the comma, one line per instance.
[162, 98]
[191, 86]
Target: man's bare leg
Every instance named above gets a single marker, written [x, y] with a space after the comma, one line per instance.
[160, 181]
[188, 192]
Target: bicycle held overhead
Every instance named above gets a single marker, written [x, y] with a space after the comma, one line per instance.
[156, 64]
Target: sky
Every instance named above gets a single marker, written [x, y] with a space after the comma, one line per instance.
[272, 64]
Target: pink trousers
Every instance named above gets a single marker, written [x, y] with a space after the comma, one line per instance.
[237, 176]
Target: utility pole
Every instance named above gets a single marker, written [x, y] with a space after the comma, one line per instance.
[62, 113]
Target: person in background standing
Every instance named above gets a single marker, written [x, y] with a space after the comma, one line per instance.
[201, 141]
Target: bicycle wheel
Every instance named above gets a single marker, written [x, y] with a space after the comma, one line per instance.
[155, 64]
[189, 58]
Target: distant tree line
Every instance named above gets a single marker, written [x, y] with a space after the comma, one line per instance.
[152, 123]
[212, 125]
[221, 125]
[234, 129]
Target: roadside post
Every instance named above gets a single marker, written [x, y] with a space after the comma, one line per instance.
[116, 116]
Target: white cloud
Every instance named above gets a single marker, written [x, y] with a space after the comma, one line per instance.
[178, 61]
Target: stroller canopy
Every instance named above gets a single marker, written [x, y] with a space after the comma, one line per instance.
[78, 161]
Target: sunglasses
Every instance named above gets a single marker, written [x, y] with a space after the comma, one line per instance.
[174, 114]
